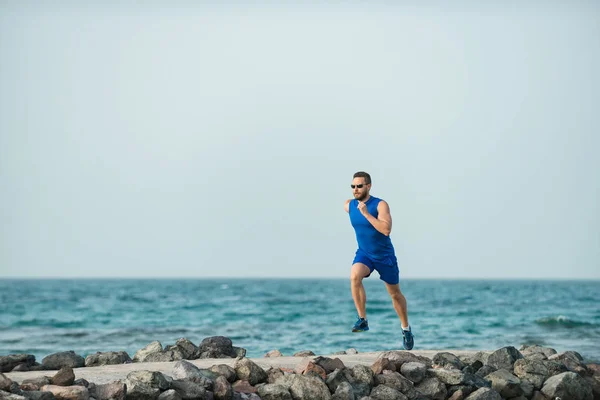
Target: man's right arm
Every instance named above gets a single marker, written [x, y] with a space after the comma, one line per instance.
[347, 205]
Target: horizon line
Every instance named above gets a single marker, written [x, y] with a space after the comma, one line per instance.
[182, 277]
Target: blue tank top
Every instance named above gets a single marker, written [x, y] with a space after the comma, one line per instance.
[374, 243]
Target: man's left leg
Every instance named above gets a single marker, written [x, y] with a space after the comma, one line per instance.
[399, 302]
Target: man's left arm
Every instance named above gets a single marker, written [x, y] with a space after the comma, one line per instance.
[383, 222]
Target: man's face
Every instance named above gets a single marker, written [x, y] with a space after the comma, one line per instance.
[360, 189]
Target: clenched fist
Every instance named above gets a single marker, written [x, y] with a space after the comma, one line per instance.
[362, 207]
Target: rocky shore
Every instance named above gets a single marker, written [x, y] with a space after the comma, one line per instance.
[530, 372]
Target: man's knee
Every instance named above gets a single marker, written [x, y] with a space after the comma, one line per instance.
[358, 272]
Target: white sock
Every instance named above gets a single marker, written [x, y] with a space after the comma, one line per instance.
[405, 328]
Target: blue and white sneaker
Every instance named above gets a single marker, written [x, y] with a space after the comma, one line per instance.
[408, 339]
[361, 325]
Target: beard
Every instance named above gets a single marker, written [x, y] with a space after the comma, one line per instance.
[360, 196]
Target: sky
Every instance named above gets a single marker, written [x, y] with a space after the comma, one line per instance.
[184, 139]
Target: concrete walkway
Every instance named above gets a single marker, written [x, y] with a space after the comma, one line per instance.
[110, 373]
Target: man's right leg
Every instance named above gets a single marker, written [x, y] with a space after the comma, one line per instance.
[358, 272]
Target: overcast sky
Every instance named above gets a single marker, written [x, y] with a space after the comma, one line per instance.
[200, 140]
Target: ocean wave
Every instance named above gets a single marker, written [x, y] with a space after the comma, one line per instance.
[561, 321]
[52, 323]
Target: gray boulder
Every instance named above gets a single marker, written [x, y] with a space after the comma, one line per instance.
[189, 389]
[64, 377]
[305, 387]
[568, 385]
[383, 392]
[152, 379]
[415, 371]
[536, 352]
[572, 360]
[344, 391]
[222, 389]
[186, 371]
[505, 383]
[8, 363]
[219, 347]
[328, 364]
[394, 380]
[109, 391]
[152, 348]
[247, 370]
[107, 358]
[504, 358]
[484, 394]
[273, 392]
[399, 357]
[447, 360]
[537, 371]
[447, 376]
[169, 395]
[5, 383]
[225, 370]
[63, 359]
[433, 388]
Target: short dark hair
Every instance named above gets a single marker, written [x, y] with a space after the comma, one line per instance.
[363, 174]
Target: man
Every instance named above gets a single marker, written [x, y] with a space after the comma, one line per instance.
[372, 222]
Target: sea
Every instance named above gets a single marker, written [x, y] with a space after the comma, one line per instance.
[45, 316]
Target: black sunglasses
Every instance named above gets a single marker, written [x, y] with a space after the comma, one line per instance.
[357, 186]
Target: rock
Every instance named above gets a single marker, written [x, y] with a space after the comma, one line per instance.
[447, 376]
[304, 353]
[305, 387]
[459, 392]
[415, 371]
[433, 388]
[222, 389]
[382, 364]
[34, 383]
[83, 382]
[246, 369]
[527, 388]
[447, 360]
[572, 360]
[594, 382]
[536, 352]
[395, 381]
[39, 395]
[485, 370]
[274, 353]
[64, 377]
[568, 385]
[169, 395]
[345, 391]
[63, 359]
[307, 366]
[593, 368]
[107, 358]
[538, 396]
[273, 374]
[484, 394]
[351, 350]
[329, 364]
[399, 357]
[243, 386]
[188, 350]
[152, 348]
[5, 383]
[20, 368]
[109, 391]
[274, 392]
[186, 371]
[8, 363]
[383, 392]
[218, 347]
[457, 395]
[11, 396]
[536, 371]
[188, 389]
[153, 379]
[505, 383]
[225, 370]
[504, 358]
[67, 392]
[338, 377]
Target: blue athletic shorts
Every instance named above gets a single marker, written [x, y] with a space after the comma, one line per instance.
[387, 267]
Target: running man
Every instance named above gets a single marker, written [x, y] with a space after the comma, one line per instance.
[371, 219]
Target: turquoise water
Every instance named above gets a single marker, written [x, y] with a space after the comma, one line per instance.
[41, 317]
